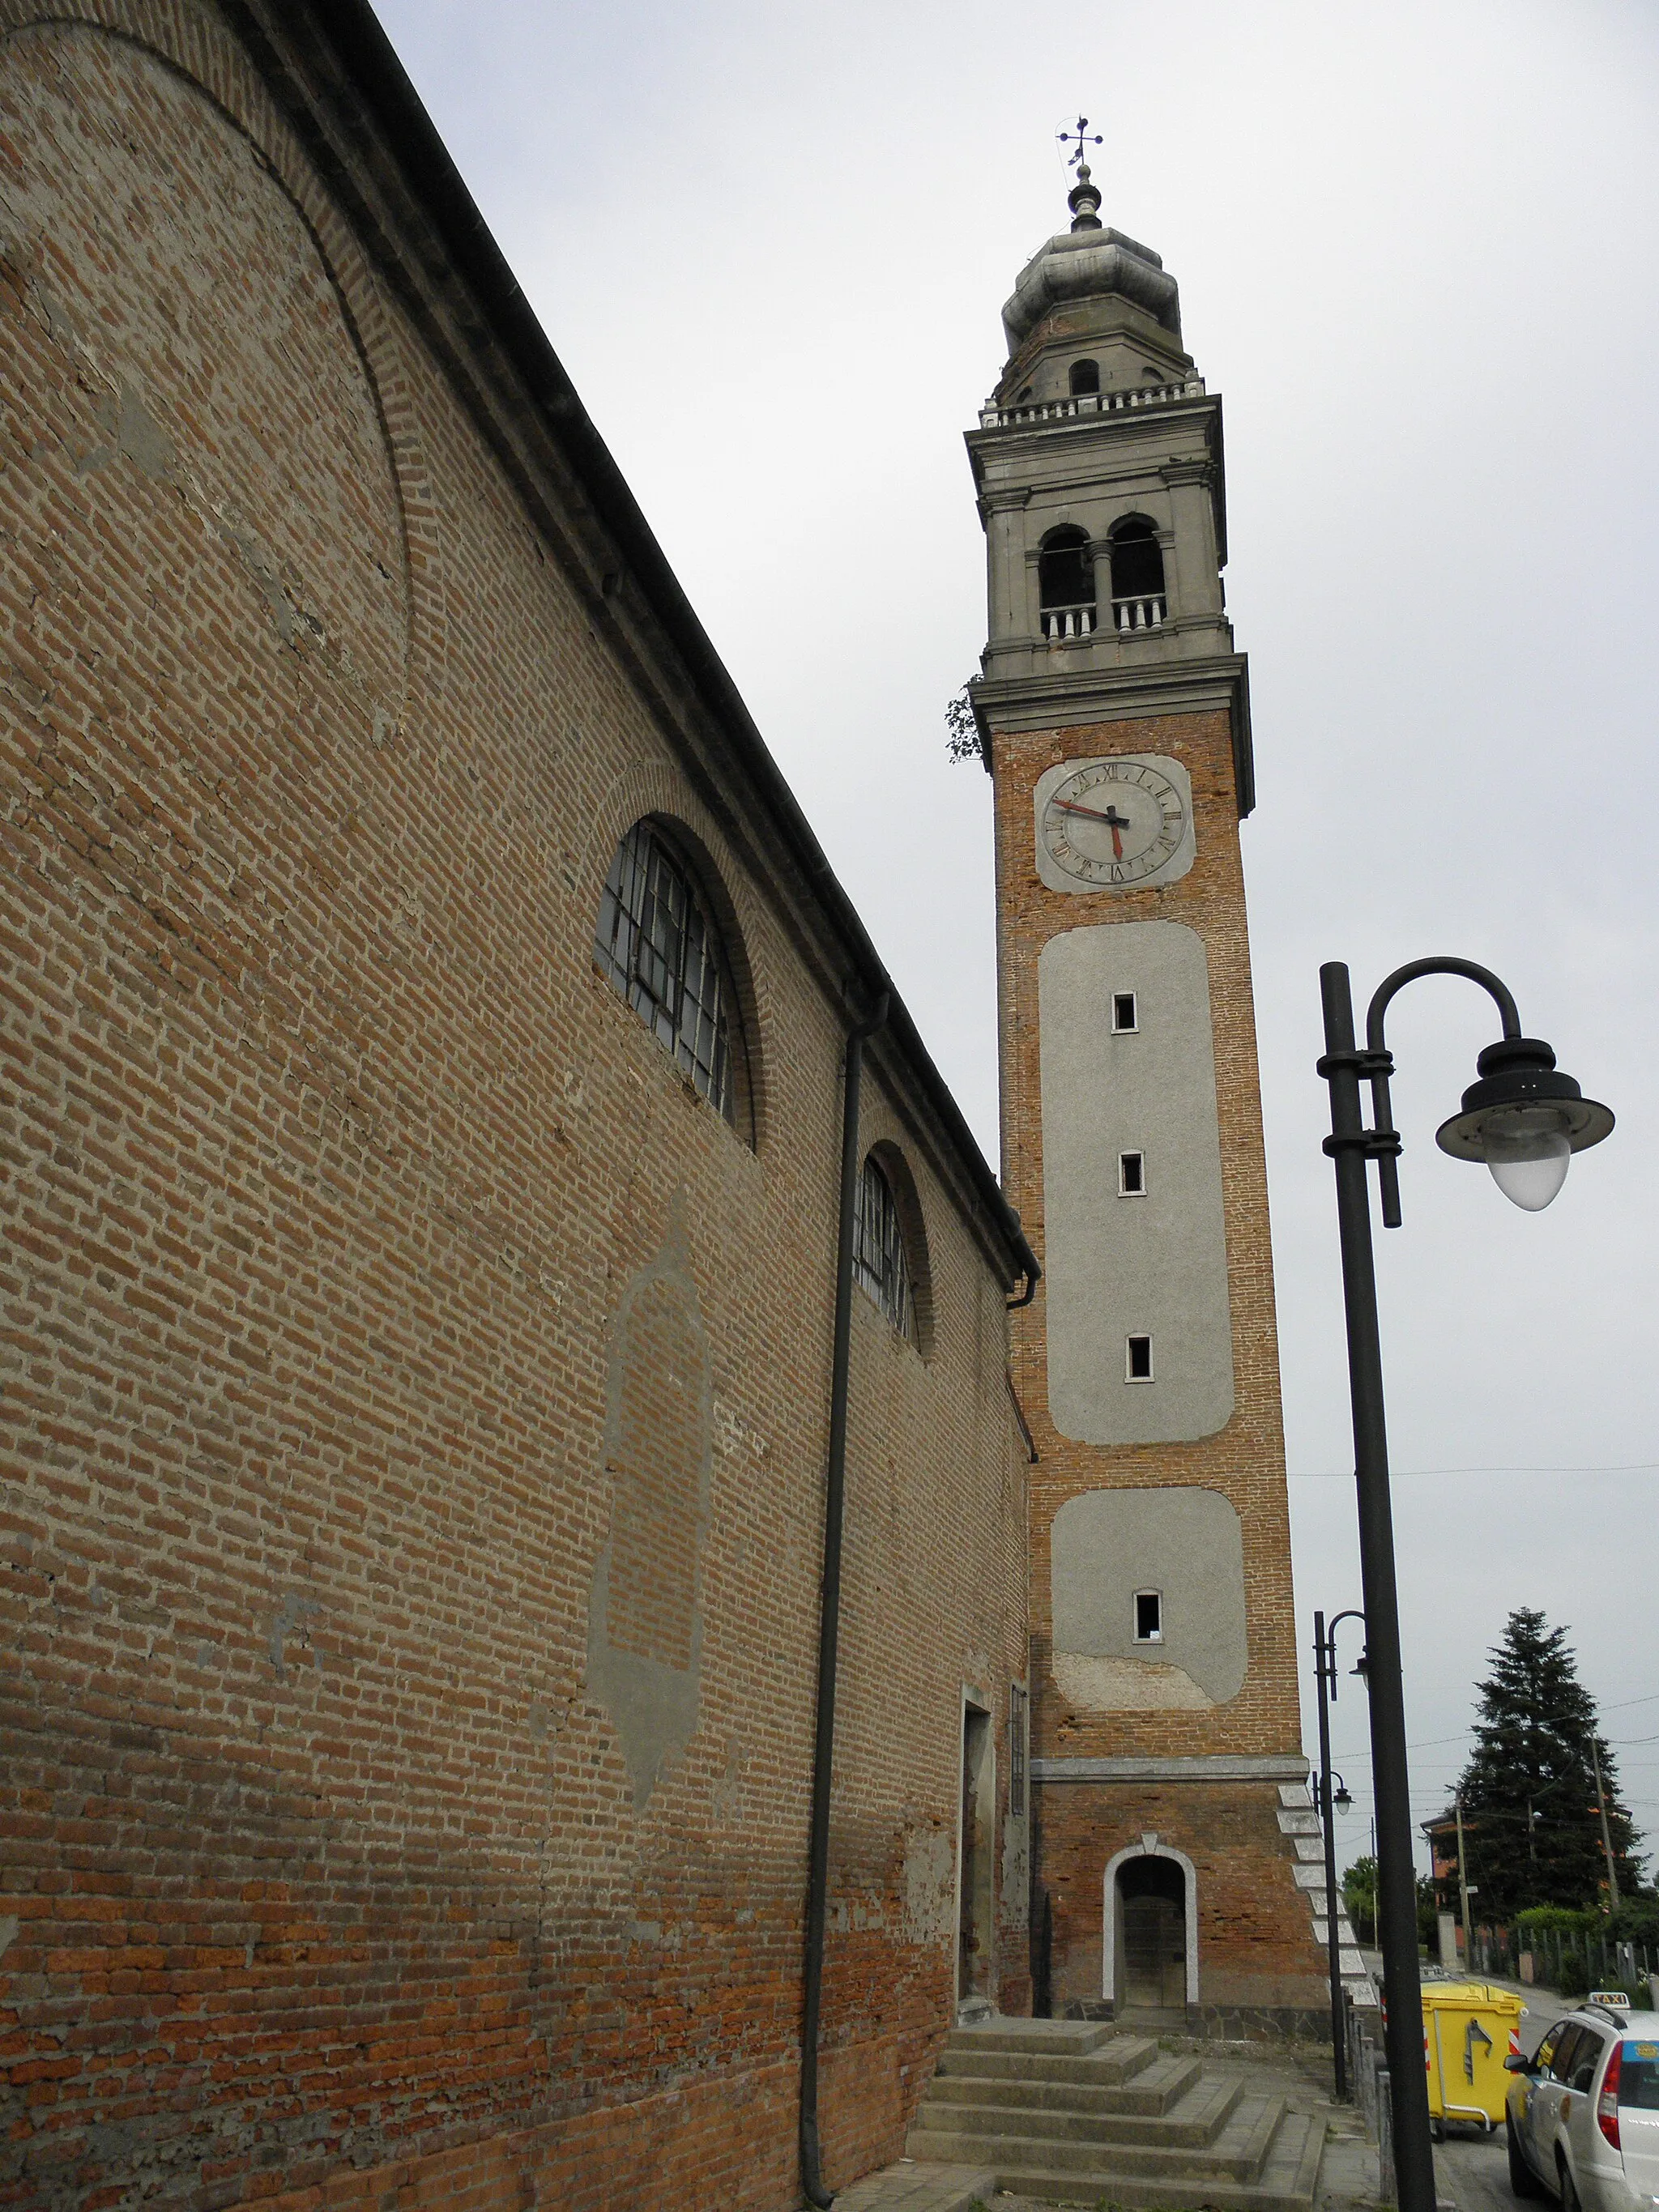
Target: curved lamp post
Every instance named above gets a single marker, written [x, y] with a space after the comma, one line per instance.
[1525, 1120]
[1325, 1674]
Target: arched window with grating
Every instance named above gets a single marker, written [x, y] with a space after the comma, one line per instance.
[1065, 584]
[1085, 376]
[662, 948]
[1137, 596]
[880, 1262]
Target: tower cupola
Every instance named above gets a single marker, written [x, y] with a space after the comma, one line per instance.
[1099, 463]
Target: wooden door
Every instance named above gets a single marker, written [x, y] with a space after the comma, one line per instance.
[1154, 1952]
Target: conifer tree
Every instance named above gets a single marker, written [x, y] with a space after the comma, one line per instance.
[1532, 1830]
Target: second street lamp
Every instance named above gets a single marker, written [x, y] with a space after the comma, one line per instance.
[1525, 1120]
[1325, 1674]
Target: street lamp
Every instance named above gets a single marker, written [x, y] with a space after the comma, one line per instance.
[1525, 1120]
[1325, 1675]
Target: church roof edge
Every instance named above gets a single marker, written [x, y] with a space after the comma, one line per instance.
[353, 68]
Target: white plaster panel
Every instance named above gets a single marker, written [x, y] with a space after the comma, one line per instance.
[1154, 1265]
[1182, 1540]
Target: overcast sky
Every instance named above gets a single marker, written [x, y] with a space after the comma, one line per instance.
[1416, 246]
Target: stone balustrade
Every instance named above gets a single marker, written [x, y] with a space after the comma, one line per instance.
[1025, 412]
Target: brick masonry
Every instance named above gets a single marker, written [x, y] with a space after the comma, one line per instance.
[1255, 1945]
[375, 1292]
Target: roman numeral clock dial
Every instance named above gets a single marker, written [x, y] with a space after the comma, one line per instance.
[1114, 824]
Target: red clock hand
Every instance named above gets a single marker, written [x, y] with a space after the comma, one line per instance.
[1115, 821]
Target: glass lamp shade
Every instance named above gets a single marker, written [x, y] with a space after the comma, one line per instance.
[1343, 1798]
[1525, 1120]
[1529, 1149]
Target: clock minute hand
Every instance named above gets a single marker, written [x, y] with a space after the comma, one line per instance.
[1115, 821]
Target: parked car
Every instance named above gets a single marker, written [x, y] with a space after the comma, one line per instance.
[1583, 2114]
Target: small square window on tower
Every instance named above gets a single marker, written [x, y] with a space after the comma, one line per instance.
[1124, 1017]
[1149, 1616]
[1131, 1174]
[1138, 1360]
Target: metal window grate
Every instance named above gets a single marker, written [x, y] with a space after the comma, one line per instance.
[879, 1258]
[660, 950]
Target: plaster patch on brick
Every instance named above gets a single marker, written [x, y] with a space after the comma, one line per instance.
[645, 1622]
[726, 1801]
[929, 1886]
[134, 432]
[291, 1616]
[1127, 1686]
[1016, 1870]
[1181, 1540]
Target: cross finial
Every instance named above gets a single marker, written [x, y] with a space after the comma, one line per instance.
[1084, 198]
[1081, 141]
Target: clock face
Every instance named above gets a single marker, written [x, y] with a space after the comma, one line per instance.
[1114, 824]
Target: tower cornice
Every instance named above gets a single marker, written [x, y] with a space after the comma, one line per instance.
[1069, 699]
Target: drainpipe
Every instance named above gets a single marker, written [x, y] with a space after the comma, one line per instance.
[817, 1881]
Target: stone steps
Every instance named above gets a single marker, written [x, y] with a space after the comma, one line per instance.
[1283, 2180]
[1147, 2096]
[1074, 2141]
[1057, 2112]
[1059, 2038]
[1073, 2109]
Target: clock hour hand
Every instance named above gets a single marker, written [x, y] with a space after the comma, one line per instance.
[1113, 821]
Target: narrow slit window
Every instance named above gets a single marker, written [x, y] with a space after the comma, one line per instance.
[1138, 1360]
[1124, 1016]
[1149, 1616]
[1131, 1174]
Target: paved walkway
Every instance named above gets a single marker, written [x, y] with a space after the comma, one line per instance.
[916, 2185]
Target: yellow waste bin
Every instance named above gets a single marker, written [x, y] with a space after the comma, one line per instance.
[1468, 2030]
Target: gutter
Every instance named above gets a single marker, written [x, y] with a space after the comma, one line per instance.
[835, 1495]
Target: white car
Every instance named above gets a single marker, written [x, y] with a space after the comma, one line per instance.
[1582, 2116]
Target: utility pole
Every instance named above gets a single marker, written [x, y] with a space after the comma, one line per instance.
[1463, 1889]
[1607, 1839]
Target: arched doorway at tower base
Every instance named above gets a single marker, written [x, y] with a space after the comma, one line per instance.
[1149, 1947]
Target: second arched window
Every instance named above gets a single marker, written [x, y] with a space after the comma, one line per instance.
[879, 1261]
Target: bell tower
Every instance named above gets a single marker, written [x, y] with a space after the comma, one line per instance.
[1177, 1858]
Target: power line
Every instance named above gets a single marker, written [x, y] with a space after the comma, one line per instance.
[1346, 1474]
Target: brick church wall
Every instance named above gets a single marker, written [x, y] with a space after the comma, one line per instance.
[377, 1297]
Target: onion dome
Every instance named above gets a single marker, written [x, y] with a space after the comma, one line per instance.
[1090, 262]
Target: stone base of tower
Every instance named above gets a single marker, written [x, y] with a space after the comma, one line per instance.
[1186, 1898]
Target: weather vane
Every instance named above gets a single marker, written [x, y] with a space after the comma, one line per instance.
[1083, 141]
